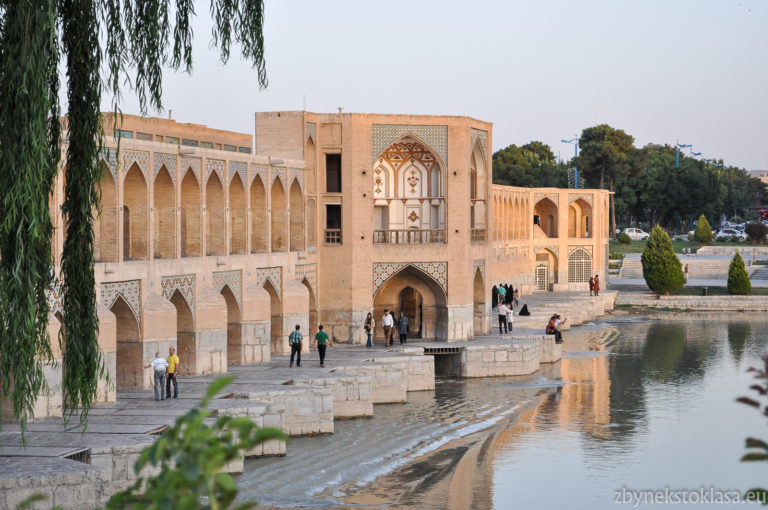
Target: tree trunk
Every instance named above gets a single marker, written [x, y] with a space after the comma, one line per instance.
[613, 211]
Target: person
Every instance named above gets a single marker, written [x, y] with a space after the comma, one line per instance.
[295, 339]
[159, 367]
[392, 331]
[591, 285]
[553, 330]
[502, 309]
[559, 320]
[502, 294]
[510, 317]
[369, 325]
[597, 285]
[516, 298]
[494, 296]
[686, 273]
[173, 367]
[402, 327]
[386, 325]
[321, 342]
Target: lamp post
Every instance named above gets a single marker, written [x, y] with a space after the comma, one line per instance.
[679, 146]
[575, 142]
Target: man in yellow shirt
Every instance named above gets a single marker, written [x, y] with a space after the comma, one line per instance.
[173, 366]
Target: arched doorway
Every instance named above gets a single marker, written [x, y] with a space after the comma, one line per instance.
[312, 310]
[216, 226]
[545, 270]
[258, 216]
[185, 334]
[579, 218]
[420, 297]
[130, 362]
[105, 229]
[479, 303]
[297, 217]
[237, 215]
[164, 216]
[234, 327]
[135, 215]
[190, 216]
[278, 344]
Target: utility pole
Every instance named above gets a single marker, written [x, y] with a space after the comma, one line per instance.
[679, 146]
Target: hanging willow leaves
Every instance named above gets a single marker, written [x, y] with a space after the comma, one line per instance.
[134, 40]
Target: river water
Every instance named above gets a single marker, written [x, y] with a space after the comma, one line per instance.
[639, 402]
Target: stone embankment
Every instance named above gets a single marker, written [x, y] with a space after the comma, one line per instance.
[698, 303]
[76, 469]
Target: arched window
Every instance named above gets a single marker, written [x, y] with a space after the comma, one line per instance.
[579, 266]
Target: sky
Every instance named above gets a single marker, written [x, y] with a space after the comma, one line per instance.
[662, 70]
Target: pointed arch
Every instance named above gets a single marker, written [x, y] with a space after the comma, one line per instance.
[310, 160]
[234, 326]
[276, 323]
[185, 333]
[135, 215]
[191, 216]
[237, 216]
[297, 217]
[215, 225]
[258, 216]
[105, 227]
[312, 306]
[130, 360]
[164, 205]
[579, 266]
[546, 211]
[479, 301]
[279, 216]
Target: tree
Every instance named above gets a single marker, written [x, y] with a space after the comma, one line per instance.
[661, 267]
[738, 279]
[703, 232]
[530, 165]
[756, 232]
[82, 36]
[758, 447]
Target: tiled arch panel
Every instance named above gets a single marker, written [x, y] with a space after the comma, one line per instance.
[129, 290]
[184, 283]
[382, 271]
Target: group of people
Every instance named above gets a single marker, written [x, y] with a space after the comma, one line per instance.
[296, 342]
[165, 371]
[594, 286]
[506, 294]
[553, 327]
[389, 323]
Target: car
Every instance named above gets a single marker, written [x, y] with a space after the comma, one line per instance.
[729, 233]
[636, 234]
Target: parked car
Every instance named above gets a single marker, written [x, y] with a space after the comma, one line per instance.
[636, 234]
[730, 233]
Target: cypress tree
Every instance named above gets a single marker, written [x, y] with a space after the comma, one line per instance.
[661, 267]
[738, 279]
[703, 232]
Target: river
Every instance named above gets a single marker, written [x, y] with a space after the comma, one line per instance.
[639, 402]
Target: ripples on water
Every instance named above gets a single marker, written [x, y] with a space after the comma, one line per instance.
[655, 408]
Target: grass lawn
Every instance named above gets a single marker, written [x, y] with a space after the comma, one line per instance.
[718, 291]
[638, 246]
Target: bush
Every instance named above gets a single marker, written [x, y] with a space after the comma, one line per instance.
[703, 232]
[624, 238]
[738, 279]
[756, 232]
[616, 255]
[661, 267]
[722, 239]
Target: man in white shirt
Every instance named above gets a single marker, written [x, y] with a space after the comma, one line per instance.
[387, 323]
[160, 368]
[502, 309]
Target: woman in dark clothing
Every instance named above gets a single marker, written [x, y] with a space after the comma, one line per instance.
[402, 327]
[494, 297]
[369, 325]
[392, 331]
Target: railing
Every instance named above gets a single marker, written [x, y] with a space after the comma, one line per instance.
[479, 235]
[408, 236]
[332, 236]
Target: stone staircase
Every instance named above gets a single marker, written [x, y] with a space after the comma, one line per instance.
[759, 273]
[698, 269]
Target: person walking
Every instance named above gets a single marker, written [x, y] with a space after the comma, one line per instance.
[386, 325]
[402, 327]
[686, 273]
[494, 296]
[295, 340]
[369, 325]
[502, 309]
[321, 342]
[173, 368]
[502, 294]
[510, 317]
[392, 331]
[159, 368]
[597, 285]
[591, 285]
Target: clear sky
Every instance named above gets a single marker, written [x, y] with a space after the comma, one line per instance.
[693, 70]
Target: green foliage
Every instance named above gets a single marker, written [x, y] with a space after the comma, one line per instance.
[624, 238]
[530, 165]
[606, 152]
[121, 37]
[756, 232]
[703, 232]
[191, 457]
[738, 279]
[616, 255]
[661, 267]
[758, 449]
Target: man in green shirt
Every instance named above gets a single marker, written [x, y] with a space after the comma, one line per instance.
[322, 341]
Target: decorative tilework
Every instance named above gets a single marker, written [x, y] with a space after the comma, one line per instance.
[233, 280]
[482, 136]
[214, 165]
[141, 158]
[298, 174]
[311, 132]
[184, 283]
[308, 271]
[383, 135]
[237, 167]
[478, 264]
[572, 248]
[587, 197]
[552, 248]
[554, 197]
[278, 172]
[193, 163]
[382, 271]
[53, 294]
[130, 291]
[260, 170]
[169, 160]
[273, 274]
[110, 158]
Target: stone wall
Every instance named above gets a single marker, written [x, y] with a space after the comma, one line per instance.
[714, 303]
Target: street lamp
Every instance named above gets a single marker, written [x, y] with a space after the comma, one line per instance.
[695, 154]
[679, 146]
[575, 142]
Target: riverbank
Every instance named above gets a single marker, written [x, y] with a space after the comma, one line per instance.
[693, 303]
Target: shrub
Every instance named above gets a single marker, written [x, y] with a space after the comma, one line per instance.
[624, 238]
[738, 279]
[616, 255]
[722, 239]
[661, 267]
[703, 232]
[756, 232]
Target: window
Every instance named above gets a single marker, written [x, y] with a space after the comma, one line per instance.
[435, 217]
[230, 148]
[579, 266]
[333, 173]
[333, 224]
[171, 139]
[381, 217]
[189, 143]
[244, 150]
[119, 133]
[206, 145]
[143, 136]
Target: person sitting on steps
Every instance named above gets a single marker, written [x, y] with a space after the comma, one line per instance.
[553, 329]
